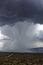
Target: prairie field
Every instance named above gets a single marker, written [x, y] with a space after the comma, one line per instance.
[7, 58]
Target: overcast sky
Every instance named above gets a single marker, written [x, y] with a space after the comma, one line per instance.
[22, 22]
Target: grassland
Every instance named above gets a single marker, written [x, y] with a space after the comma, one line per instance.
[21, 59]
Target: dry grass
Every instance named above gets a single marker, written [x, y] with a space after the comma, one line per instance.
[21, 59]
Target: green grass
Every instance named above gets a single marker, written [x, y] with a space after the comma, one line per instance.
[21, 59]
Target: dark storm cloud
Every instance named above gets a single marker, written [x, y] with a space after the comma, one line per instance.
[22, 20]
[13, 10]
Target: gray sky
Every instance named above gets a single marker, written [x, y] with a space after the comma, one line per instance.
[13, 10]
[22, 22]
